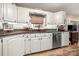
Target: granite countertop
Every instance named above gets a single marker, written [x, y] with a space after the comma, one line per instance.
[15, 32]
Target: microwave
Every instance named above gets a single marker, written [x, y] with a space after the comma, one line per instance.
[7, 27]
[72, 28]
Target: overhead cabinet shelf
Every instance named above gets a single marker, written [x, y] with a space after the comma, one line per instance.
[10, 12]
[23, 15]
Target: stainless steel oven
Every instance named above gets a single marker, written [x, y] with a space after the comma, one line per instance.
[7, 27]
[72, 27]
[56, 40]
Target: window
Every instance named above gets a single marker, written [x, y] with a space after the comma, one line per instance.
[37, 18]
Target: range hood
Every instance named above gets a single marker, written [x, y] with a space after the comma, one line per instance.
[37, 18]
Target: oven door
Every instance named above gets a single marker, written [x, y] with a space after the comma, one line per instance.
[56, 40]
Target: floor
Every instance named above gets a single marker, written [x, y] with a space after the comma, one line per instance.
[71, 50]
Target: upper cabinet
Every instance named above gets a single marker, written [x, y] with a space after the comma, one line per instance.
[10, 12]
[23, 15]
[50, 18]
[1, 11]
[59, 18]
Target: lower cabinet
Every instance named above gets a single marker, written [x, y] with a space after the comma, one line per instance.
[35, 45]
[27, 45]
[13, 46]
[19, 45]
[46, 43]
[74, 37]
[65, 39]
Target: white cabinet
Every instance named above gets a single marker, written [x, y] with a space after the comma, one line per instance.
[1, 25]
[32, 43]
[10, 12]
[23, 15]
[38, 42]
[65, 39]
[13, 46]
[1, 11]
[27, 43]
[50, 18]
[27, 46]
[35, 45]
[46, 43]
[0, 48]
[59, 17]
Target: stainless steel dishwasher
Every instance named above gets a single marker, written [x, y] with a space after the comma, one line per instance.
[56, 40]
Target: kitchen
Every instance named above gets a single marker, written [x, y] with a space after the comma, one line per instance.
[26, 29]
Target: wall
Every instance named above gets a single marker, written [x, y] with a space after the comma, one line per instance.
[71, 19]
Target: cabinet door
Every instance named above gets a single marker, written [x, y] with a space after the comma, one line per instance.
[59, 18]
[28, 47]
[46, 43]
[1, 11]
[50, 18]
[10, 12]
[1, 25]
[65, 38]
[13, 46]
[0, 48]
[23, 15]
[35, 45]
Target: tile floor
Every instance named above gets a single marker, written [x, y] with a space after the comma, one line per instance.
[71, 50]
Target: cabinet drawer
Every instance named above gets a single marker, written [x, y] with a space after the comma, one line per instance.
[45, 37]
[46, 34]
[13, 36]
[38, 34]
[30, 35]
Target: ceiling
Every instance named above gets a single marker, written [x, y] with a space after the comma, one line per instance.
[69, 8]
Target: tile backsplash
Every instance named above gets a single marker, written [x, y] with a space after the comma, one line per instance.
[25, 26]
